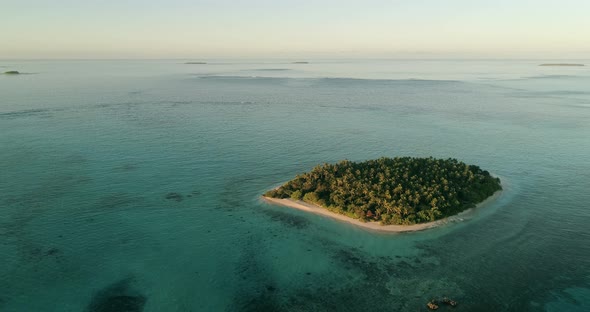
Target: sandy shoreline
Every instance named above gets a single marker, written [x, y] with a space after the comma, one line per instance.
[376, 226]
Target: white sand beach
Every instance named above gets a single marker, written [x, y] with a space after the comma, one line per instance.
[376, 226]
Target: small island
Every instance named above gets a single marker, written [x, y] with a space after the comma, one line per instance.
[300, 62]
[389, 194]
[561, 64]
[196, 63]
[12, 72]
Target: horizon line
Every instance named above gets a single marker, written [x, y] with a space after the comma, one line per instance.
[283, 58]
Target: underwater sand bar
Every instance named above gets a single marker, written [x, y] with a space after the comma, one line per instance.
[376, 226]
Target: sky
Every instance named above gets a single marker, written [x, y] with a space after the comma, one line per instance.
[204, 29]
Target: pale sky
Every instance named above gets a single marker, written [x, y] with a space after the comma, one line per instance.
[294, 28]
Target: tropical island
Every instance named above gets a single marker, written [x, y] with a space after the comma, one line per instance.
[12, 72]
[390, 194]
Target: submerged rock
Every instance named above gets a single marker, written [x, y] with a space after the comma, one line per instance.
[450, 302]
[52, 252]
[432, 306]
[174, 196]
[117, 297]
[119, 304]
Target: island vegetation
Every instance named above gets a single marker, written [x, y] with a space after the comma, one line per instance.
[12, 72]
[393, 191]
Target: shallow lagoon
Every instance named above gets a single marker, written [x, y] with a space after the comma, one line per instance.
[92, 149]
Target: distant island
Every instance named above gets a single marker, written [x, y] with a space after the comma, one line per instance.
[11, 72]
[196, 63]
[392, 194]
[300, 63]
[561, 64]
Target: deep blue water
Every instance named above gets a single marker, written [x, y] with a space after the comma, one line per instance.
[90, 151]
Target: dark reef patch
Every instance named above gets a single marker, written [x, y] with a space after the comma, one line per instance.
[501, 272]
[194, 193]
[126, 167]
[26, 113]
[228, 203]
[356, 282]
[288, 219]
[21, 209]
[117, 200]
[262, 302]
[174, 196]
[117, 297]
[232, 193]
[34, 253]
[257, 285]
[52, 252]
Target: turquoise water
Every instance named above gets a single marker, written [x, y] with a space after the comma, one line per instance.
[91, 150]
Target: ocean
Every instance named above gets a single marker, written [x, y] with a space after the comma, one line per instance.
[137, 184]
